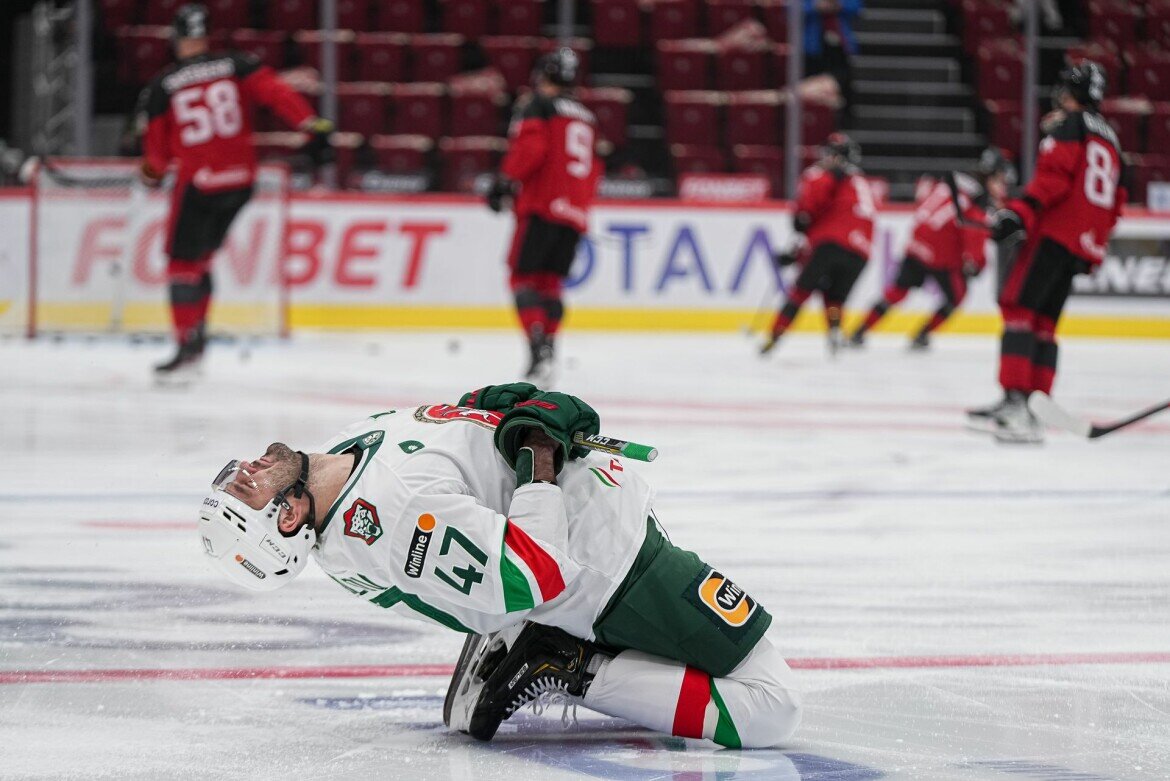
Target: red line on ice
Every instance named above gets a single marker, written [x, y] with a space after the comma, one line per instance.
[440, 670]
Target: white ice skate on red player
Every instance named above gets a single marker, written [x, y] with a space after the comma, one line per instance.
[1016, 425]
[185, 367]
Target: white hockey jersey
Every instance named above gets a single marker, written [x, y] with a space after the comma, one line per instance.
[431, 523]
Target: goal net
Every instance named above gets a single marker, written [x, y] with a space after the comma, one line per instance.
[98, 261]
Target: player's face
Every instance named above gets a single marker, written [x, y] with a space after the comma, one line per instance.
[997, 188]
[256, 482]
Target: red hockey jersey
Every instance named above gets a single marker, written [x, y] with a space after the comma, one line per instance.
[1075, 196]
[938, 241]
[839, 206]
[199, 115]
[551, 156]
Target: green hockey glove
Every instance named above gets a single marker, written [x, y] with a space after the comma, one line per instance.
[558, 414]
[498, 398]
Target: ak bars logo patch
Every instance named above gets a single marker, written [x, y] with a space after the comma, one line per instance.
[416, 555]
[361, 521]
[730, 603]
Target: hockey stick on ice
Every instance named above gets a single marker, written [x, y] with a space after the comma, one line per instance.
[1052, 414]
[616, 447]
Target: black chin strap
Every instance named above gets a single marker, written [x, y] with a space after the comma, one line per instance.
[301, 488]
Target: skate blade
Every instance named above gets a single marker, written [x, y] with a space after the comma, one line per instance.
[1019, 438]
[182, 378]
[469, 679]
[982, 425]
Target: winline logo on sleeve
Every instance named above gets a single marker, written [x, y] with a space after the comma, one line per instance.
[416, 555]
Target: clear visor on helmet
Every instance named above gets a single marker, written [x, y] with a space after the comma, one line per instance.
[227, 475]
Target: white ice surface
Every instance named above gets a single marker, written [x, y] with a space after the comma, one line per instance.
[844, 495]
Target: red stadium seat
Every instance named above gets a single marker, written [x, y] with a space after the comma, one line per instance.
[513, 56]
[292, 15]
[1104, 55]
[118, 13]
[1006, 124]
[722, 15]
[399, 16]
[161, 12]
[692, 117]
[672, 20]
[779, 59]
[466, 159]
[1149, 73]
[1126, 116]
[764, 160]
[1142, 170]
[310, 42]
[142, 53]
[345, 147]
[401, 154]
[817, 121]
[518, 17]
[617, 23]
[1158, 127]
[468, 18]
[685, 65]
[742, 67]
[755, 118]
[267, 45]
[435, 57]
[277, 146]
[984, 21]
[226, 15]
[352, 15]
[692, 159]
[775, 19]
[381, 56]
[1000, 66]
[476, 112]
[611, 107]
[1158, 23]
[1114, 21]
[363, 107]
[418, 109]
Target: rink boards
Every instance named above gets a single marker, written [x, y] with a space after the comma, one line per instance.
[384, 262]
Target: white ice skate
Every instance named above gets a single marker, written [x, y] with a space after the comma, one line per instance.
[1017, 425]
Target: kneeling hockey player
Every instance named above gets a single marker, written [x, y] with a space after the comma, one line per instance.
[486, 518]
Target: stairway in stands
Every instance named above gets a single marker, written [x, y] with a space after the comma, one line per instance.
[913, 111]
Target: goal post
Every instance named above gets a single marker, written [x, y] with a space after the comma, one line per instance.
[97, 260]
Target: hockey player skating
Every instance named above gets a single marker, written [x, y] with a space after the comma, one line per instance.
[198, 116]
[551, 173]
[834, 212]
[1065, 217]
[941, 247]
[486, 519]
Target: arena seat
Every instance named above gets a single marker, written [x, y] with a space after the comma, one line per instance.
[115, 14]
[617, 23]
[161, 13]
[363, 107]
[672, 20]
[518, 17]
[513, 56]
[764, 160]
[1148, 74]
[685, 64]
[1115, 21]
[1126, 115]
[983, 21]
[466, 159]
[611, 107]
[694, 159]
[142, 52]
[435, 57]
[353, 15]
[417, 109]
[400, 16]
[742, 67]
[402, 153]
[381, 56]
[755, 118]
[476, 112]
[292, 15]
[775, 13]
[1000, 68]
[692, 117]
[468, 18]
[722, 15]
[309, 43]
[269, 46]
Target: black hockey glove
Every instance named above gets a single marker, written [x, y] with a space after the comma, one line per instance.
[499, 398]
[784, 259]
[801, 221]
[318, 149]
[1006, 223]
[558, 414]
[499, 190]
[970, 268]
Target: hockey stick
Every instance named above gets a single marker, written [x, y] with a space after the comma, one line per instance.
[616, 447]
[1052, 414]
[960, 218]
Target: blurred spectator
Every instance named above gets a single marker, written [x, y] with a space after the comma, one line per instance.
[829, 43]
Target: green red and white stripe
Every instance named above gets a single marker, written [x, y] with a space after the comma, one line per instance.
[696, 695]
[530, 576]
[605, 477]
